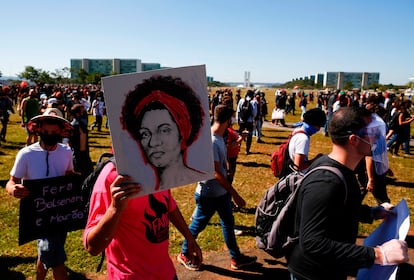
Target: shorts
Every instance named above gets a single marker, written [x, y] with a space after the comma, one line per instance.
[51, 249]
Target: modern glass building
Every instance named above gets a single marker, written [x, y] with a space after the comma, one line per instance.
[339, 79]
[110, 66]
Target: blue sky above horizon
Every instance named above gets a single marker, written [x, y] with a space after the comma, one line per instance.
[275, 40]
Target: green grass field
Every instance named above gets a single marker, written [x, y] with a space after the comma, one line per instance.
[252, 178]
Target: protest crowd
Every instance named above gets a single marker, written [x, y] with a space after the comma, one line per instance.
[364, 127]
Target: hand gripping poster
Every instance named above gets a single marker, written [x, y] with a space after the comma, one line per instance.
[159, 124]
[394, 226]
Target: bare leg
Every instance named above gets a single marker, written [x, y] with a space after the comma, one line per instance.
[41, 271]
[60, 273]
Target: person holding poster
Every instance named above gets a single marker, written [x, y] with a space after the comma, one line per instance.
[164, 117]
[44, 159]
[132, 230]
[328, 210]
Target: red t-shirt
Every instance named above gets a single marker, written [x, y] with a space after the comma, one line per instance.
[233, 148]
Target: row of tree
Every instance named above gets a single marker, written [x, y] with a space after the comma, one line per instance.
[59, 76]
[63, 76]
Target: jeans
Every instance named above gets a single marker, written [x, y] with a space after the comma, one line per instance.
[205, 209]
[257, 130]
[328, 117]
[392, 140]
[249, 127]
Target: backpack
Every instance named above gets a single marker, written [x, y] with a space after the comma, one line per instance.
[275, 213]
[279, 159]
[87, 188]
[89, 181]
[245, 111]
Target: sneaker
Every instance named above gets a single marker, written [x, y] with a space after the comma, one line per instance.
[182, 259]
[238, 232]
[396, 156]
[390, 172]
[242, 261]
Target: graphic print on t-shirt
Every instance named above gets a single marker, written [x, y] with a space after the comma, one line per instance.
[156, 224]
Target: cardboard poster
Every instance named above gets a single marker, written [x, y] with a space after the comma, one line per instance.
[394, 227]
[160, 130]
[54, 204]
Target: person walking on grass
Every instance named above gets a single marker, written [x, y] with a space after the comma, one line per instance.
[98, 106]
[29, 108]
[246, 113]
[328, 211]
[44, 159]
[215, 195]
[299, 145]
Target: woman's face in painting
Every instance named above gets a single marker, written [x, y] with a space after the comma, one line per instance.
[160, 138]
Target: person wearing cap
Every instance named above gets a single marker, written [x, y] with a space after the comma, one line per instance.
[328, 210]
[29, 108]
[44, 159]
[299, 144]
[215, 195]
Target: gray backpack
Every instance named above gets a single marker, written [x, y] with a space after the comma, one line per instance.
[275, 214]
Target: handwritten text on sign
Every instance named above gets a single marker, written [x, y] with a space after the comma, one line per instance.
[54, 204]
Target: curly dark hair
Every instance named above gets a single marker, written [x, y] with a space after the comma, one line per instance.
[174, 87]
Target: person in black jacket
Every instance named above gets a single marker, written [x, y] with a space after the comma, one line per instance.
[79, 143]
[328, 211]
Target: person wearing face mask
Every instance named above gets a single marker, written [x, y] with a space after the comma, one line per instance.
[44, 159]
[376, 164]
[299, 144]
[329, 210]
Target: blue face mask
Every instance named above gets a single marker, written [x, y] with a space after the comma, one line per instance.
[310, 129]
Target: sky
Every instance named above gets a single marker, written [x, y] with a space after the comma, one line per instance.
[276, 41]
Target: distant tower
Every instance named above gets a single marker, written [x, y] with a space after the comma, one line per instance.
[246, 79]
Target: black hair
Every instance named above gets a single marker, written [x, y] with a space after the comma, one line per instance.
[346, 121]
[172, 86]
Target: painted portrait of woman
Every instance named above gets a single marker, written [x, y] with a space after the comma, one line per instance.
[164, 116]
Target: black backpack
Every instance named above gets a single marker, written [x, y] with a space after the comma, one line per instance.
[89, 182]
[275, 214]
[245, 111]
[87, 188]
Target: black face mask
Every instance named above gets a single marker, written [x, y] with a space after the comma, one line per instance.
[50, 139]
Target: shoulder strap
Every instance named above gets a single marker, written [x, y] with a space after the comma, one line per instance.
[334, 170]
[288, 163]
[297, 132]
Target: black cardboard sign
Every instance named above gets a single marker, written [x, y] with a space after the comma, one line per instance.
[53, 205]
